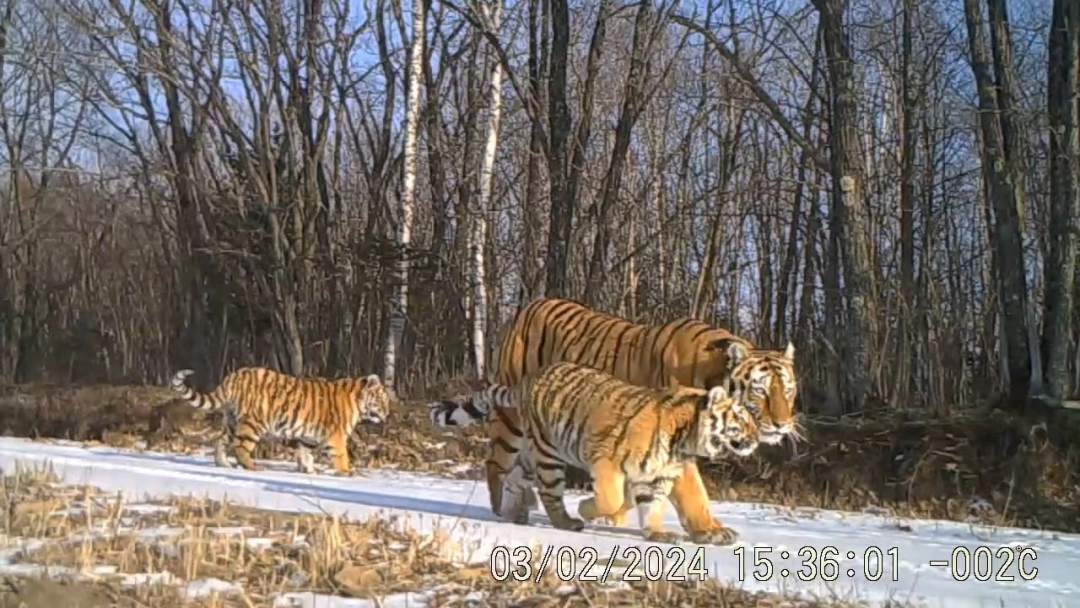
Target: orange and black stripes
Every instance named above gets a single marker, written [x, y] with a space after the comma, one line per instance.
[314, 411]
[683, 352]
[634, 440]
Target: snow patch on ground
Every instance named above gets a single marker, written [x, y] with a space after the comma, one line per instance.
[205, 587]
[459, 508]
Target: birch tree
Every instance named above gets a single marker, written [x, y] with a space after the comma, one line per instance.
[399, 300]
[481, 217]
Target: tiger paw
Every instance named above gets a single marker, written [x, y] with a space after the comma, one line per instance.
[587, 509]
[719, 535]
[570, 523]
[520, 518]
[661, 536]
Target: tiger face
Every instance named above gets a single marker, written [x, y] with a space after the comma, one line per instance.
[373, 400]
[767, 380]
[725, 424]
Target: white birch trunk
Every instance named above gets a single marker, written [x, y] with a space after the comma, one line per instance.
[399, 300]
[480, 219]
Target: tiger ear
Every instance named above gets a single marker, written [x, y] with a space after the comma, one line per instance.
[717, 394]
[373, 380]
[736, 351]
[789, 352]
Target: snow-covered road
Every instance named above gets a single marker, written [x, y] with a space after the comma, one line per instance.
[1044, 567]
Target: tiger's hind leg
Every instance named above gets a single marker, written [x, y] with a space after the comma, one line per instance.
[244, 442]
[507, 442]
[221, 457]
[339, 450]
[226, 437]
[551, 476]
[518, 495]
[305, 459]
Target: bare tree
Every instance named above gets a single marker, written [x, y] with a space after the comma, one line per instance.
[400, 297]
[1063, 111]
[480, 218]
[848, 204]
[1004, 186]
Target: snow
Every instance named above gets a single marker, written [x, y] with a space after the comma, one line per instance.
[460, 508]
[205, 587]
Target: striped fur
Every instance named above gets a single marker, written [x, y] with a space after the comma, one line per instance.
[634, 441]
[315, 412]
[684, 352]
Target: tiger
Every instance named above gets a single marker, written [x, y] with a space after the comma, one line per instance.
[312, 412]
[683, 352]
[633, 440]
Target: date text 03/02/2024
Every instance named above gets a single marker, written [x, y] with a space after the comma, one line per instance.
[761, 562]
[628, 564]
[1003, 564]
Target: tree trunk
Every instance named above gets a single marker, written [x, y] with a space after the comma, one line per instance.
[538, 66]
[399, 299]
[907, 202]
[1003, 186]
[632, 105]
[847, 184]
[480, 219]
[561, 215]
[787, 267]
[1063, 107]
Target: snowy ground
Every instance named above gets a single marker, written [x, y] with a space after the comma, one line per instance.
[461, 507]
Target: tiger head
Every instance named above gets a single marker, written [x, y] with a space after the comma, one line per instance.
[373, 400]
[724, 423]
[767, 380]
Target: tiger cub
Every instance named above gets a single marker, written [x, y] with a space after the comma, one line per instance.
[633, 440]
[315, 412]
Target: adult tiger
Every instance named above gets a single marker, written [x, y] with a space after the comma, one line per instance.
[635, 442]
[315, 412]
[683, 352]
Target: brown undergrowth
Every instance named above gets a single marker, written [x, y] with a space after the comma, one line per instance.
[94, 549]
[990, 466]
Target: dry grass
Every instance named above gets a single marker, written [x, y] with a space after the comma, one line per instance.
[988, 466]
[95, 544]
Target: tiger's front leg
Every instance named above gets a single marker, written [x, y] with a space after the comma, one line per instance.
[620, 518]
[692, 504]
[610, 499]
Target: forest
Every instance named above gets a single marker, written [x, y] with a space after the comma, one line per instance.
[344, 187]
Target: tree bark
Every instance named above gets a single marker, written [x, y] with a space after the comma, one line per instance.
[480, 219]
[787, 267]
[561, 215]
[400, 295]
[1063, 111]
[907, 202]
[632, 105]
[847, 171]
[1003, 187]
